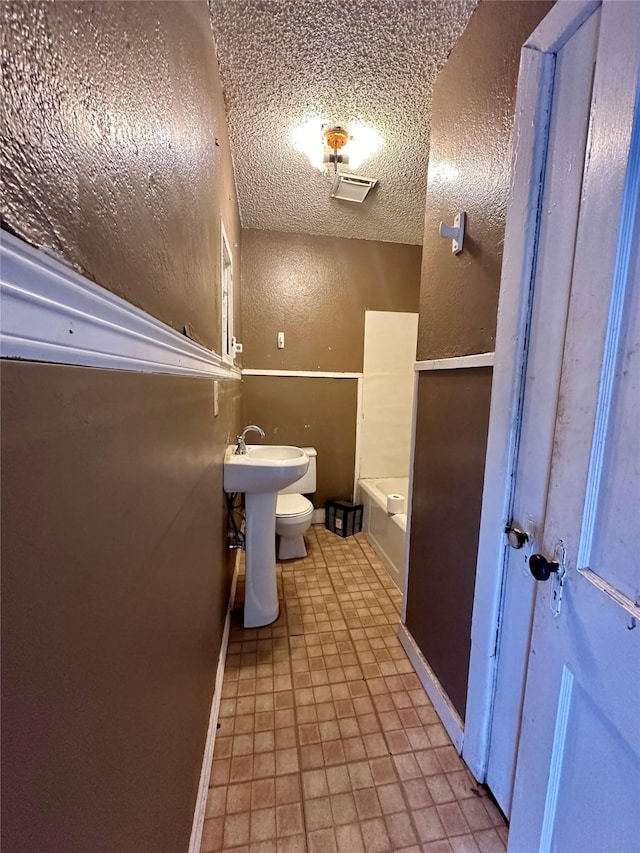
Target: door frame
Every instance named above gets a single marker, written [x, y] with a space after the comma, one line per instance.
[530, 140]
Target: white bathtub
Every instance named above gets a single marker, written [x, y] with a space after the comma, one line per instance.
[386, 533]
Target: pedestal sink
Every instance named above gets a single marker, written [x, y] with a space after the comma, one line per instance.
[260, 473]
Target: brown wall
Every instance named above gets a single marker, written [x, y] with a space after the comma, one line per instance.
[472, 120]
[471, 124]
[115, 150]
[115, 572]
[316, 290]
[318, 413]
[113, 599]
[453, 417]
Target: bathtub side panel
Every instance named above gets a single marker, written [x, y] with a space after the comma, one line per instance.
[386, 533]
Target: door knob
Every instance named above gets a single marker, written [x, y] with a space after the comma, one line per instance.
[516, 538]
[541, 568]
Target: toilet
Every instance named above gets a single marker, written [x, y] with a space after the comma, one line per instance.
[294, 512]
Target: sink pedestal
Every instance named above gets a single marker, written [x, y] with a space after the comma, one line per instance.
[260, 473]
[261, 606]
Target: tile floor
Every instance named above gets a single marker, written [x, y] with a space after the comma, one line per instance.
[327, 741]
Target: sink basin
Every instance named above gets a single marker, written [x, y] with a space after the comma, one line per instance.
[263, 468]
[260, 473]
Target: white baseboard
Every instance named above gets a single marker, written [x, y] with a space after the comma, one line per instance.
[205, 773]
[318, 516]
[441, 702]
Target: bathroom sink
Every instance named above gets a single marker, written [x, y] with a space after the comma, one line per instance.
[263, 468]
[260, 473]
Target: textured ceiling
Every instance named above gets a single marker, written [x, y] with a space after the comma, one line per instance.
[284, 61]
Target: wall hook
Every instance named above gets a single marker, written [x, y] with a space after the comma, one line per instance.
[455, 232]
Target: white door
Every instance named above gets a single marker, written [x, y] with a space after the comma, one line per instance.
[567, 140]
[577, 784]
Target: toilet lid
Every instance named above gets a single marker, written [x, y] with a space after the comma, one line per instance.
[292, 505]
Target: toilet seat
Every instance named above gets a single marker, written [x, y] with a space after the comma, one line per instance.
[290, 506]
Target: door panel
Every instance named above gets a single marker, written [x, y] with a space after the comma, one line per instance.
[605, 791]
[617, 522]
[578, 770]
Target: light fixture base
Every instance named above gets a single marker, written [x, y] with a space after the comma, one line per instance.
[336, 137]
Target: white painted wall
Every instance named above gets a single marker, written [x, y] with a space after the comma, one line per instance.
[390, 339]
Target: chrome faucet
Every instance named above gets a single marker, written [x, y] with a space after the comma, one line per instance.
[241, 447]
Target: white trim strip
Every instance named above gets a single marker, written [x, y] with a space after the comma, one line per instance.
[205, 773]
[460, 362]
[356, 468]
[619, 598]
[622, 283]
[441, 702]
[52, 313]
[557, 756]
[311, 374]
[560, 24]
[412, 465]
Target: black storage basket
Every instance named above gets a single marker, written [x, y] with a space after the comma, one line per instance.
[343, 518]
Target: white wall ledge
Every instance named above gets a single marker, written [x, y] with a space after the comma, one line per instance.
[460, 362]
[312, 374]
[51, 313]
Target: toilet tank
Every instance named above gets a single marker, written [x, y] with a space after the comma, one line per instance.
[307, 483]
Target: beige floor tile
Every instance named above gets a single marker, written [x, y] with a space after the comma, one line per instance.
[238, 798]
[263, 793]
[464, 844]
[288, 789]
[441, 846]
[236, 829]
[475, 814]
[400, 830]
[453, 819]
[391, 798]
[327, 742]
[289, 820]
[375, 836]
[343, 809]
[322, 841]
[338, 779]
[264, 764]
[417, 794]
[318, 813]
[428, 824]
[489, 841]
[349, 839]
[314, 784]
[212, 835]
[263, 824]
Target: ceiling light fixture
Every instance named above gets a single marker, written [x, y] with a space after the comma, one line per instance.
[335, 145]
[335, 139]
